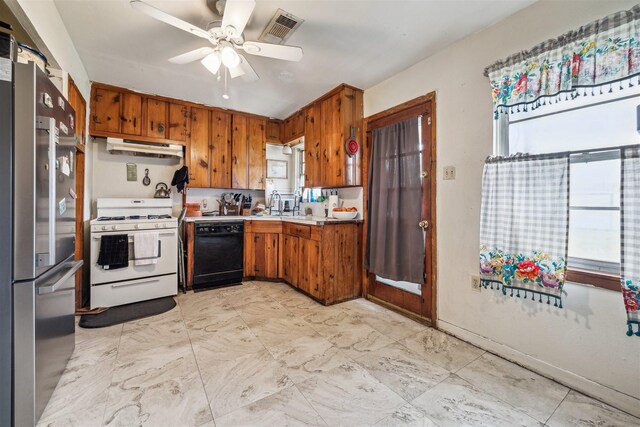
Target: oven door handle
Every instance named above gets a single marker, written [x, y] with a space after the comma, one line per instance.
[131, 238]
[138, 282]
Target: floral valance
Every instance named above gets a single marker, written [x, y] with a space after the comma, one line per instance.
[601, 53]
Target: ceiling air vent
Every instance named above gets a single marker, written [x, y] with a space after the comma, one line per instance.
[280, 28]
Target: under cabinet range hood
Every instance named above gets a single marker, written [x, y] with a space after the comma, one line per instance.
[151, 149]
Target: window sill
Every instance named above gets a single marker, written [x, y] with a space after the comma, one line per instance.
[598, 280]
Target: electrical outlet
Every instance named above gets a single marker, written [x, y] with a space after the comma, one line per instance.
[475, 283]
[449, 172]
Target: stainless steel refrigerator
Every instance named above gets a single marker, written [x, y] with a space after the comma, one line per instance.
[41, 230]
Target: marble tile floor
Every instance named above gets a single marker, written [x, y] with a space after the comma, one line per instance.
[262, 354]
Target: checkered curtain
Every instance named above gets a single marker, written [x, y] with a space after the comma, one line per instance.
[630, 236]
[524, 226]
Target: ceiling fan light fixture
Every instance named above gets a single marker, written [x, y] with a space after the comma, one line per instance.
[212, 62]
[230, 57]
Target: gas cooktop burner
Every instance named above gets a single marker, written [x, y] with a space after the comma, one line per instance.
[159, 217]
[111, 218]
[133, 217]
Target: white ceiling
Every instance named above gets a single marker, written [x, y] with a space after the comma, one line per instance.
[359, 42]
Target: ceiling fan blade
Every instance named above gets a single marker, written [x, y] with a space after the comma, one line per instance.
[237, 14]
[287, 53]
[194, 55]
[244, 70]
[168, 19]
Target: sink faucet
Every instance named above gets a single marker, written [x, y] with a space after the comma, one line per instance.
[275, 196]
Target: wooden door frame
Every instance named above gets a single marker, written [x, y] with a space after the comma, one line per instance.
[80, 295]
[428, 102]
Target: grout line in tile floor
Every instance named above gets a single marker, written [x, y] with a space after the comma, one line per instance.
[113, 372]
[197, 364]
[556, 408]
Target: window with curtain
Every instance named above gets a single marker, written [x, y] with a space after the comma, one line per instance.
[576, 96]
[583, 123]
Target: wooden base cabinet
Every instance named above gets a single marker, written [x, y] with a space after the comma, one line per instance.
[262, 249]
[323, 261]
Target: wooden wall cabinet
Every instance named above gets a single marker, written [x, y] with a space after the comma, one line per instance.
[273, 131]
[131, 117]
[199, 160]
[293, 126]
[105, 110]
[312, 145]
[155, 118]
[209, 149]
[179, 121]
[326, 125]
[248, 148]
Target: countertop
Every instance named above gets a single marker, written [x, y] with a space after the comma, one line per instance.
[297, 219]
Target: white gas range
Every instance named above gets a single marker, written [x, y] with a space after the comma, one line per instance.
[119, 275]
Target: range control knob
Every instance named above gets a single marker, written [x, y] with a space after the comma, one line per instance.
[104, 227]
[114, 227]
[165, 225]
[157, 225]
[136, 226]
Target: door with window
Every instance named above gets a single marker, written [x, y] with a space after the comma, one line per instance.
[400, 217]
[592, 129]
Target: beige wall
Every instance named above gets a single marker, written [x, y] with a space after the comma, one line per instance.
[584, 345]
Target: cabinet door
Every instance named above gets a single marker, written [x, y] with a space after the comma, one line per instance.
[314, 273]
[106, 110]
[239, 152]
[287, 129]
[249, 255]
[290, 253]
[259, 255]
[312, 146]
[131, 114]
[298, 124]
[220, 149]
[273, 131]
[303, 264]
[271, 255]
[199, 149]
[347, 268]
[178, 122]
[257, 152]
[156, 126]
[333, 154]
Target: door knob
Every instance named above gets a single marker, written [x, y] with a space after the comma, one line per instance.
[423, 224]
[424, 174]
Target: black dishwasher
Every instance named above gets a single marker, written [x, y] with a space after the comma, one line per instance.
[218, 254]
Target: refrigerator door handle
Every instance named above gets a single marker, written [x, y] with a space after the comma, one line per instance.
[49, 124]
[75, 266]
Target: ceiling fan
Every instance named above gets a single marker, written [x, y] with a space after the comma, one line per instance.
[226, 39]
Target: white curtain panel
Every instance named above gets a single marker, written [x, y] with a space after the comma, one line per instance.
[630, 236]
[524, 225]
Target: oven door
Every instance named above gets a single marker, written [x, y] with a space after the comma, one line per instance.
[167, 262]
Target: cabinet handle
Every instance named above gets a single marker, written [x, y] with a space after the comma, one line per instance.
[235, 159]
[135, 121]
[152, 125]
[160, 127]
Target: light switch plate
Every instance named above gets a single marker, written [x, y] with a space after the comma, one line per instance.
[449, 172]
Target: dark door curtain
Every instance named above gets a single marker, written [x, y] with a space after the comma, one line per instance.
[395, 243]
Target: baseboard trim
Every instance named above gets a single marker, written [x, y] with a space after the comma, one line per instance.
[612, 397]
